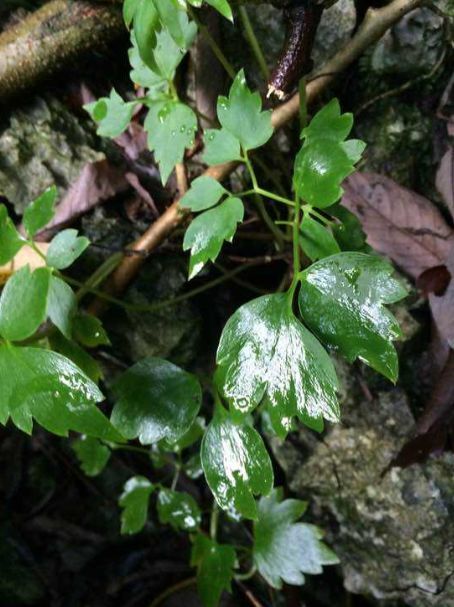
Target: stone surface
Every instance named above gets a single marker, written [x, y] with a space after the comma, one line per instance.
[394, 531]
[334, 31]
[43, 144]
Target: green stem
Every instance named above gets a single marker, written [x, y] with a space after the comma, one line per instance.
[214, 521]
[253, 42]
[213, 45]
[246, 576]
[104, 270]
[173, 590]
[296, 247]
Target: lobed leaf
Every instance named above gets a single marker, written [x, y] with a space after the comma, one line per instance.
[215, 564]
[38, 213]
[65, 248]
[317, 241]
[204, 193]
[10, 240]
[93, 456]
[220, 146]
[134, 502]
[61, 305]
[112, 114]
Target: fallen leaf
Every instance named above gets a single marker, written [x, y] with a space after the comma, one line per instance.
[445, 179]
[399, 223]
[26, 256]
[442, 306]
[434, 280]
[97, 182]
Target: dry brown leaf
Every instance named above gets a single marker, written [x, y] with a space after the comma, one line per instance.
[97, 182]
[443, 306]
[445, 179]
[399, 223]
[26, 256]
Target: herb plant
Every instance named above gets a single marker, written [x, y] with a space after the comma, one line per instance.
[273, 363]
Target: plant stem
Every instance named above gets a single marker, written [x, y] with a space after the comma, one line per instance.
[253, 42]
[213, 45]
[214, 520]
[104, 270]
[246, 576]
[296, 246]
[173, 590]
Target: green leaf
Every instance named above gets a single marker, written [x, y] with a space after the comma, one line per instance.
[341, 300]
[241, 115]
[284, 549]
[134, 501]
[88, 330]
[169, 12]
[61, 305]
[112, 114]
[193, 466]
[10, 240]
[142, 75]
[171, 128]
[265, 353]
[93, 456]
[146, 25]
[316, 240]
[208, 231]
[45, 386]
[236, 464]
[179, 510]
[38, 213]
[65, 248]
[77, 355]
[220, 146]
[156, 400]
[167, 55]
[223, 7]
[129, 10]
[325, 159]
[191, 436]
[349, 233]
[215, 564]
[23, 304]
[203, 194]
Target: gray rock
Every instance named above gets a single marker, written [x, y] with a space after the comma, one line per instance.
[43, 144]
[411, 47]
[394, 533]
[335, 29]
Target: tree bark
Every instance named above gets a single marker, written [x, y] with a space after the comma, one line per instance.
[50, 39]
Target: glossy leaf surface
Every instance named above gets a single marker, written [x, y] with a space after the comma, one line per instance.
[23, 303]
[220, 146]
[61, 305]
[65, 248]
[325, 158]
[215, 564]
[208, 231]
[348, 230]
[342, 300]
[180, 510]
[316, 240]
[40, 211]
[10, 240]
[155, 400]
[171, 128]
[190, 437]
[89, 331]
[241, 114]
[134, 502]
[45, 386]
[93, 456]
[236, 464]
[203, 194]
[80, 357]
[265, 353]
[283, 549]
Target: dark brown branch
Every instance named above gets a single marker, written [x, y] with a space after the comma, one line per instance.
[51, 38]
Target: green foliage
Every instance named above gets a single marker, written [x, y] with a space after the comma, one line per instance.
[65, 248]
[316, 240]
[208, 231]
[179, 510]
[284, 549]
[61, 305]
[88, 331]
[93, 456]
[266, 354]
[38, 214]
[134, 502]
[341, 299]
[325, 158]
[221, 146]
[203, 194]
[174, 394]
[236, 464]
[10, 241]
[112, 114]
[215, 564]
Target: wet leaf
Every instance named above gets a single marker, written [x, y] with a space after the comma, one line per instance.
[65, 248]
[93, 456]
[191, 436]
[40, 211]
[10, 241]
[399, 223]
[180, 510]
[265, 353]
[45, 386]
[348, 232]
[134, 502]
[77, 355]
[236, 464]
[171, 128]
[89, 331]
[220, 146]
[155, 400]
[316, 240]
[325, 158]
[283, 549]
[23, 303]
[342, 301]
[208, 231]
[203, 194]
[241, 114]
[215, 564]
